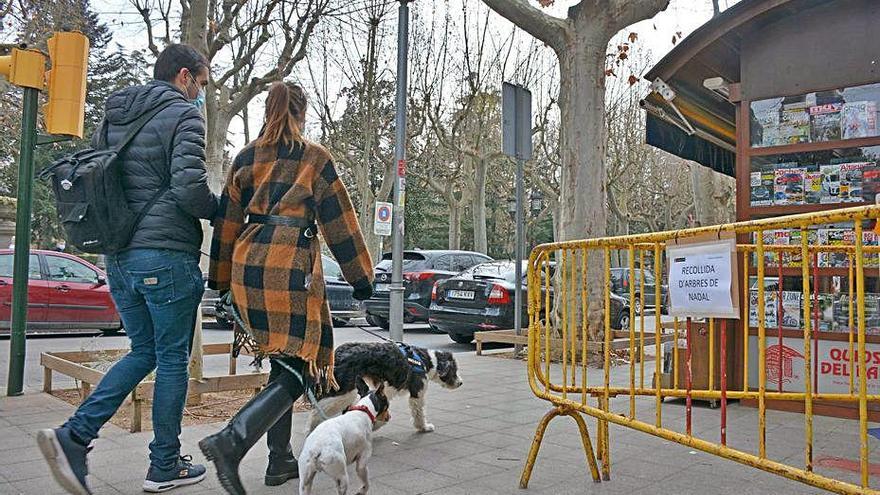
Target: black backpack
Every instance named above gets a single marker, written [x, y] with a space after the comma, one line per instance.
[90, 198]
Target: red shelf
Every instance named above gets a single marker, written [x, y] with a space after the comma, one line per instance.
[810, 147]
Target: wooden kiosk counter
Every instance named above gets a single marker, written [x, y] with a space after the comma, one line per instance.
[784, 96]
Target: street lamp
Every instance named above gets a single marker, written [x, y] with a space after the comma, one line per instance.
[511, 206]
[536, 202]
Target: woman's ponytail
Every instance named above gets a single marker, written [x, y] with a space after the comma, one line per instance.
[285, 111]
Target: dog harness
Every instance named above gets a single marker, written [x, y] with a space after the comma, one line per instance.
[414, 360]
[363, 409]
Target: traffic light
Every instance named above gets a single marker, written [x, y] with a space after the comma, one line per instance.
[69, 56]
[24, 68]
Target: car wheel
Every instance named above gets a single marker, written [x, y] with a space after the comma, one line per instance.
[622, 320]
[340, 322]
[461, 339]
[377, 321]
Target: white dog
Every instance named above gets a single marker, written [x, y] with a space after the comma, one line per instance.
[338, 442]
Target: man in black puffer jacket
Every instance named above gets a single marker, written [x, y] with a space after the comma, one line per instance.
[156, 281]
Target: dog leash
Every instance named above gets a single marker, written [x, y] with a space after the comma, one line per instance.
[374, 334]
[309, 391]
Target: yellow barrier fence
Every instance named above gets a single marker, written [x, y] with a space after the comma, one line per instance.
[563, 305]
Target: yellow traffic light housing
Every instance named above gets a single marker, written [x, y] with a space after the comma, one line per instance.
[24, 68]
[65, 112]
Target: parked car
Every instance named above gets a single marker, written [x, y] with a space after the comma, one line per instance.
[343, 307]
[482, 298]
[421, 269]
[620, 286]
[65, 293]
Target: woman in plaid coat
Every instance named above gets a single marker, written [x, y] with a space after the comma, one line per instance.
[280, 189]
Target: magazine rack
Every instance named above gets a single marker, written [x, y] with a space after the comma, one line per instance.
[784, 96]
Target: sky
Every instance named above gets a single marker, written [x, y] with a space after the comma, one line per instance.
[655, 35]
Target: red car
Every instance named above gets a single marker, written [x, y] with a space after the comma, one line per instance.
[65, 293]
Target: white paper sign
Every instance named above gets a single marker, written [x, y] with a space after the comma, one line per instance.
[700, 277]
[382, 218]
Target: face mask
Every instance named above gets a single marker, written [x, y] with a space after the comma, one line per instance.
[199, 102]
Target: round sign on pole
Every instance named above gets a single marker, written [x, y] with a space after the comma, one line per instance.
[382, 219]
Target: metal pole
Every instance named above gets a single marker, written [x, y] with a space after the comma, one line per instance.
[15, 383]
[517, 305]
[397, 223]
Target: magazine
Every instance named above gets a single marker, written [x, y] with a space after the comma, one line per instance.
[851, 181]
[791, 309]
[825, 122]
[835, 237]
[794, 125]
[793, 258]
[830, 184]
[871, 182]
[813, 188]
[859, 119]
[760, 195]
[789, 189]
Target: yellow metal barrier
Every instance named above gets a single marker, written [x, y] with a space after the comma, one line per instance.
[563, 305]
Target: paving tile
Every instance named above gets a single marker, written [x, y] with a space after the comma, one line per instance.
[420, 479]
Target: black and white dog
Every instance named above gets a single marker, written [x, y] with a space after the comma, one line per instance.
[404, 369]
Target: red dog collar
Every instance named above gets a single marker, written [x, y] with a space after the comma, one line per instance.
[364, 409]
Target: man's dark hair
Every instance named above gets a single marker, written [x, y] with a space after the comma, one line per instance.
[176, 57]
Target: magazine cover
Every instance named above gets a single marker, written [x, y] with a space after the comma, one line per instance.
[794, 125]
[794, 258]
[834, 237]
[871, 182]
[791, 309]
[871, 238]
[851, 182]
[770, 308]
[825, 122]
[813, 188]
[789, 186]
[830, 184]
[761, 195]
[859, 119]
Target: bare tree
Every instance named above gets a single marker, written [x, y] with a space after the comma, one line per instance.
[580, 42]
[250, 44]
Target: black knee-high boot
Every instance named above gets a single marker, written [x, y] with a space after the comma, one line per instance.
[282, 463]
[227, 447]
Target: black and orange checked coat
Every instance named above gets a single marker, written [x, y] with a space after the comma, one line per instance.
[274, 272]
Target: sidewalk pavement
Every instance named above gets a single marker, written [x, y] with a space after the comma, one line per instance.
[484, 430]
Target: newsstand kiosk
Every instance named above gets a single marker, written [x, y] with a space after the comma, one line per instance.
[784, 96]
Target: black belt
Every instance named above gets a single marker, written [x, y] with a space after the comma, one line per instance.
[309, 225]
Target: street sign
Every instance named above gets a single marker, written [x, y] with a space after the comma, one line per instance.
[701, 279]
[382, 218]
[516, 116]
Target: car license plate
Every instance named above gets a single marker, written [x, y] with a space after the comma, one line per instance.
[460, 294]
[383, 287]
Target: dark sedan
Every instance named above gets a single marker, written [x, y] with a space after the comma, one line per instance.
[343, 307]
[482, 298]
[421, 269]
[620, 286]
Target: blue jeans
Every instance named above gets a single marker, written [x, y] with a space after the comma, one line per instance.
[157, 293]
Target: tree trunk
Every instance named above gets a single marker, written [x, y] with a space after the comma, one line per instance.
[478, 206]
[582, 145]
[217, 124]
[711, 196]
[454, 225]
